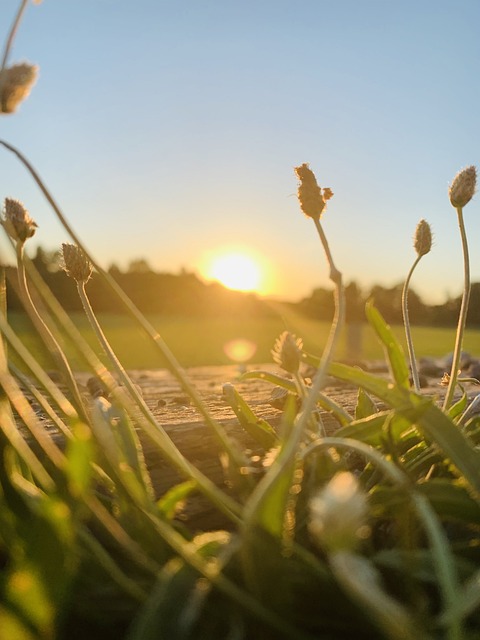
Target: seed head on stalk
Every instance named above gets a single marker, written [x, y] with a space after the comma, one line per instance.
[17, 221]
[463, 187]
[422, 241]
[461, 192]
[15, 85]
[287, 352]
[75, 263]
[311, 197]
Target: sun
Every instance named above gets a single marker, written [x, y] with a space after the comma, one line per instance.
[235, 270]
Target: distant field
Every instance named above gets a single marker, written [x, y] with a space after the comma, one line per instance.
[201, 341]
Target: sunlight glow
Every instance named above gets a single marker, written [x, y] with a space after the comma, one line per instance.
[237, 271]
[240, 349]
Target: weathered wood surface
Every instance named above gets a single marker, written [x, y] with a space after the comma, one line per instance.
[187, 429]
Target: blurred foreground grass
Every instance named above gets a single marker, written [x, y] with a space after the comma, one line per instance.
[202, 341]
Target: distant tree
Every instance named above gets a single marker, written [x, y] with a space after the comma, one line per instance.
[139, 265]
[186, 294]
[320, 304]
[114, 270]
[46, 261]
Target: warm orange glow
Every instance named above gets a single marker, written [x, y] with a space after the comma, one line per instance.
[235, 270]
[240, 349]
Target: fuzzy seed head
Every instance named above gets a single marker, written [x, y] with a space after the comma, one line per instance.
[310, 196]
[287, 352]
[16, 220]
[15, 85]
[463, 187]
[338, 514]
[422, 241]
[75, 263]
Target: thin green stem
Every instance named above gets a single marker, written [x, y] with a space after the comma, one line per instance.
[92, 318]
[309, 403]
[408, 334]
[47, 336]
[12, 34]
[462, 319]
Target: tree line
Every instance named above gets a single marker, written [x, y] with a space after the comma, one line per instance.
[186, 294]
[389, 302]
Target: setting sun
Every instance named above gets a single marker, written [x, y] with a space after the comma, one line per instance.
[238, 271]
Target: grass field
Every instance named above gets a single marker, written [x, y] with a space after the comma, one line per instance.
[198, 342]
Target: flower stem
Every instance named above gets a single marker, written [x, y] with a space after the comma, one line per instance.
[47, 336]
[13, 31]
[406, 322]
[309, 402]
[462, 319]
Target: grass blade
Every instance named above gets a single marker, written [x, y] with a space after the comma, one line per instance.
[393, 350]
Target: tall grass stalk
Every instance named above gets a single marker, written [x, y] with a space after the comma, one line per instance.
[13, 32]
[308, 192]
[462, 319]
[408, 333]
[422, 244]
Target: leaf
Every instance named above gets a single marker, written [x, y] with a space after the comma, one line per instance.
[132, 448]
[324, 401]
[393, 350]
[371, 429]
[459, 407]
[259, 429]
[103, 429]
[170, 503]
[365, 405]
[451, 500]
[79, 455]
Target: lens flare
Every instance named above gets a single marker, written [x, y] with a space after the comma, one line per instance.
[240, 349]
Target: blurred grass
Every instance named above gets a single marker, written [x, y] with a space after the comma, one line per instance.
[201, 341]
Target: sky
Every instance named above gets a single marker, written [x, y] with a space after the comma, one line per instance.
[169, 131]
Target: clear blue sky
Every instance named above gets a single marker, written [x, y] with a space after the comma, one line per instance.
[167, 130]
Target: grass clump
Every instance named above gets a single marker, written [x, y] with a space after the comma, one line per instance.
[369, 532]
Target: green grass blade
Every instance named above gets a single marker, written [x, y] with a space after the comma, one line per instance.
[172, 501]
[393, 350]
[459, 407]
[371, 430]
[259, 429]
[365, 405]
[324, 401]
